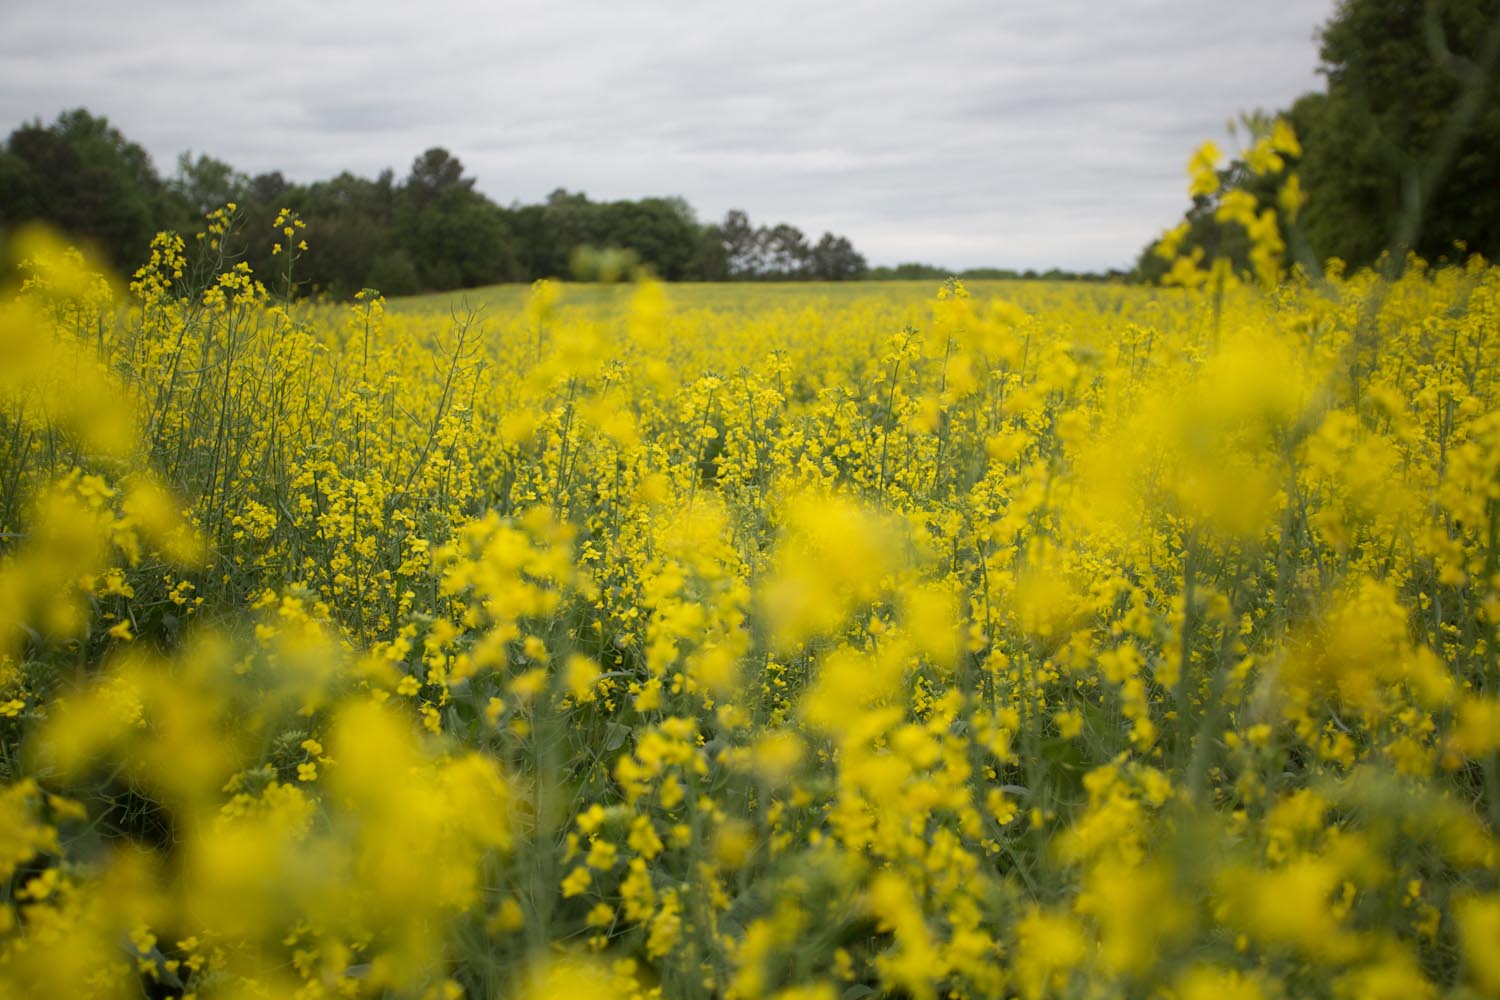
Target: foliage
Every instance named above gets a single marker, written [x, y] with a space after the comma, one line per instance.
[83, 176]
[1400, 148]
[430, 231]
[782, 253]
[1396, 154]
[1242, 215]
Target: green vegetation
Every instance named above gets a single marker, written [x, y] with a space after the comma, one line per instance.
[431, 231]
[1398, 153]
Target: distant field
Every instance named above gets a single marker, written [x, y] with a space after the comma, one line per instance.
[745, 295]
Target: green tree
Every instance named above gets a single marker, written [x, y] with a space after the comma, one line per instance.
[910, 271]
[661, 231]
[784, 250]
[351, 221]
[834, 258]
[1400, 151]
[203, 183]
[82, 176]
[456, 237]
[710, 256]
[1205, 232]
[550, 232]
[268, 188]
[743, 249]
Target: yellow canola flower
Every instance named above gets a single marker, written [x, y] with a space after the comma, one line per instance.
[1479, 929]
[1208, 983]
[1291, 197]
[580, 675]
[1049, 947]
[833, 557]
[22, 836]
[1083, 640]
[1170, 243]
[1283, 138]
[913, 964]
[575, 978]
[1203, 170]
[1138, 912]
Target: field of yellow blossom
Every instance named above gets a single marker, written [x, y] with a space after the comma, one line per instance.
[805, 643]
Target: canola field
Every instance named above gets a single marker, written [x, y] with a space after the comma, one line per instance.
[806, 643]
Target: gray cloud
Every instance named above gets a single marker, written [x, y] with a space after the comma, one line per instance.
[965, 132]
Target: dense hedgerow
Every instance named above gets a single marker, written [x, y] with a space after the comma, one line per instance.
[1088, 641]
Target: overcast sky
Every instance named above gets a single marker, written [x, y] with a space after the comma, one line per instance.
[961, 132]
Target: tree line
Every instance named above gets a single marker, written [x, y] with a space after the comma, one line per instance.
[1398, 151]
[429, 231]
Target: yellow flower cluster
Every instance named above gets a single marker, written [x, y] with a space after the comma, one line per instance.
[764, 642]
